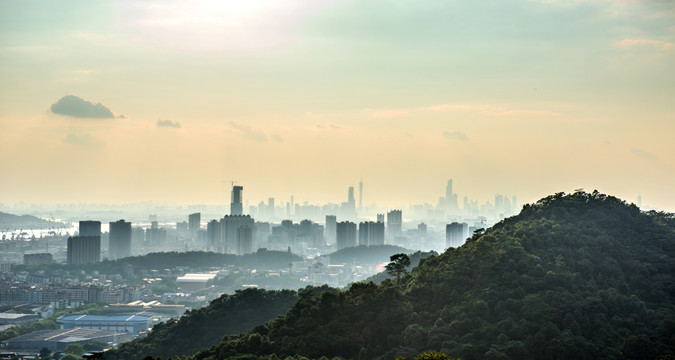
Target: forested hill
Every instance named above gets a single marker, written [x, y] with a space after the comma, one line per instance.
[578, 276]
[261, 259]
[229, 314]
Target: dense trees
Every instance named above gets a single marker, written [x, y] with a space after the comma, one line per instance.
[397, 265]
[229, 314]
[574, 276]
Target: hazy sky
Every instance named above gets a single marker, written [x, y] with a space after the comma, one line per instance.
[125, 101]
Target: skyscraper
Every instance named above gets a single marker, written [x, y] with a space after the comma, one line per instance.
[119, 244]
[90, 228]
[394, 223]
[244, 240]
[213, 228]
[346, 234]
[456, 234]
[450, 199]
[83, 250]
[230, 225]
[236, 207]
[331, 228]
[371, 233]
[194, 224]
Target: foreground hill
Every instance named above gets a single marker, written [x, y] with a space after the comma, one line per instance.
[578, 276]
[229, 314]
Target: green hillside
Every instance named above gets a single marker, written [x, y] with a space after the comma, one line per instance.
[578, 276]
[365, 255]
[229, 314]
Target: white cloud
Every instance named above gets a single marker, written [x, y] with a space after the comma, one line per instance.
[217, 26]
[629, 44]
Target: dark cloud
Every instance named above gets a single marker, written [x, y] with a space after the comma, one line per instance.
[455, 135]
[277, 137]
[644, 154]
[249, 133]
[83, 140]
[168, 123]
[71, 105]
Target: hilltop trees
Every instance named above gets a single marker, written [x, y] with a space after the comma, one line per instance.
[397, 265]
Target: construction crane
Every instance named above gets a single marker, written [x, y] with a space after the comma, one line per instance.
[232, 182]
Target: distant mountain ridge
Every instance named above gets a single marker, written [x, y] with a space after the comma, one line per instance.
[25, 221]
[573, 276]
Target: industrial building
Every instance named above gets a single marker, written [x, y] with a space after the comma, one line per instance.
[132, 324]
[56, 340]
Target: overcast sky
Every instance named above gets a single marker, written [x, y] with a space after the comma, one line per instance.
[125, 101]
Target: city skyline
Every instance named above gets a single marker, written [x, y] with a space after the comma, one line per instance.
[125, 102]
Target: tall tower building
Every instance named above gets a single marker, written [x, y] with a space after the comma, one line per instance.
[394, 223]
[450, 198]
[230, 225]
[90, 228]
[236, 207]
[119, 244]
[194, 224]
[213, 228]
[83, 250]
[244, 240]
[380, 218]
[371, 233]
[456, 234]
[331, 228]
[346, 234]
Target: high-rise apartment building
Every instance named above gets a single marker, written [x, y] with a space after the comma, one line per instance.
[83, 250]
[244, 240]
[119, 243]
[236, 206]
[371, 233]
[213, 236]
[455, 234]
[394, 223]
[90, 228]
[194, 224]
[230, 225]
[346, 234]
[331, 228]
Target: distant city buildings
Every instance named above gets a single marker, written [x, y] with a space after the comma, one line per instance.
[331, 228]
[194, 224]
[119, 243]
[83, 250]
[236, 206]
[37, 259]
[456, 234]
[155, 238]
[230, 225]
[394, 223]
[346, 234]
[245, 240]
[371, 233]
[90, 228]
